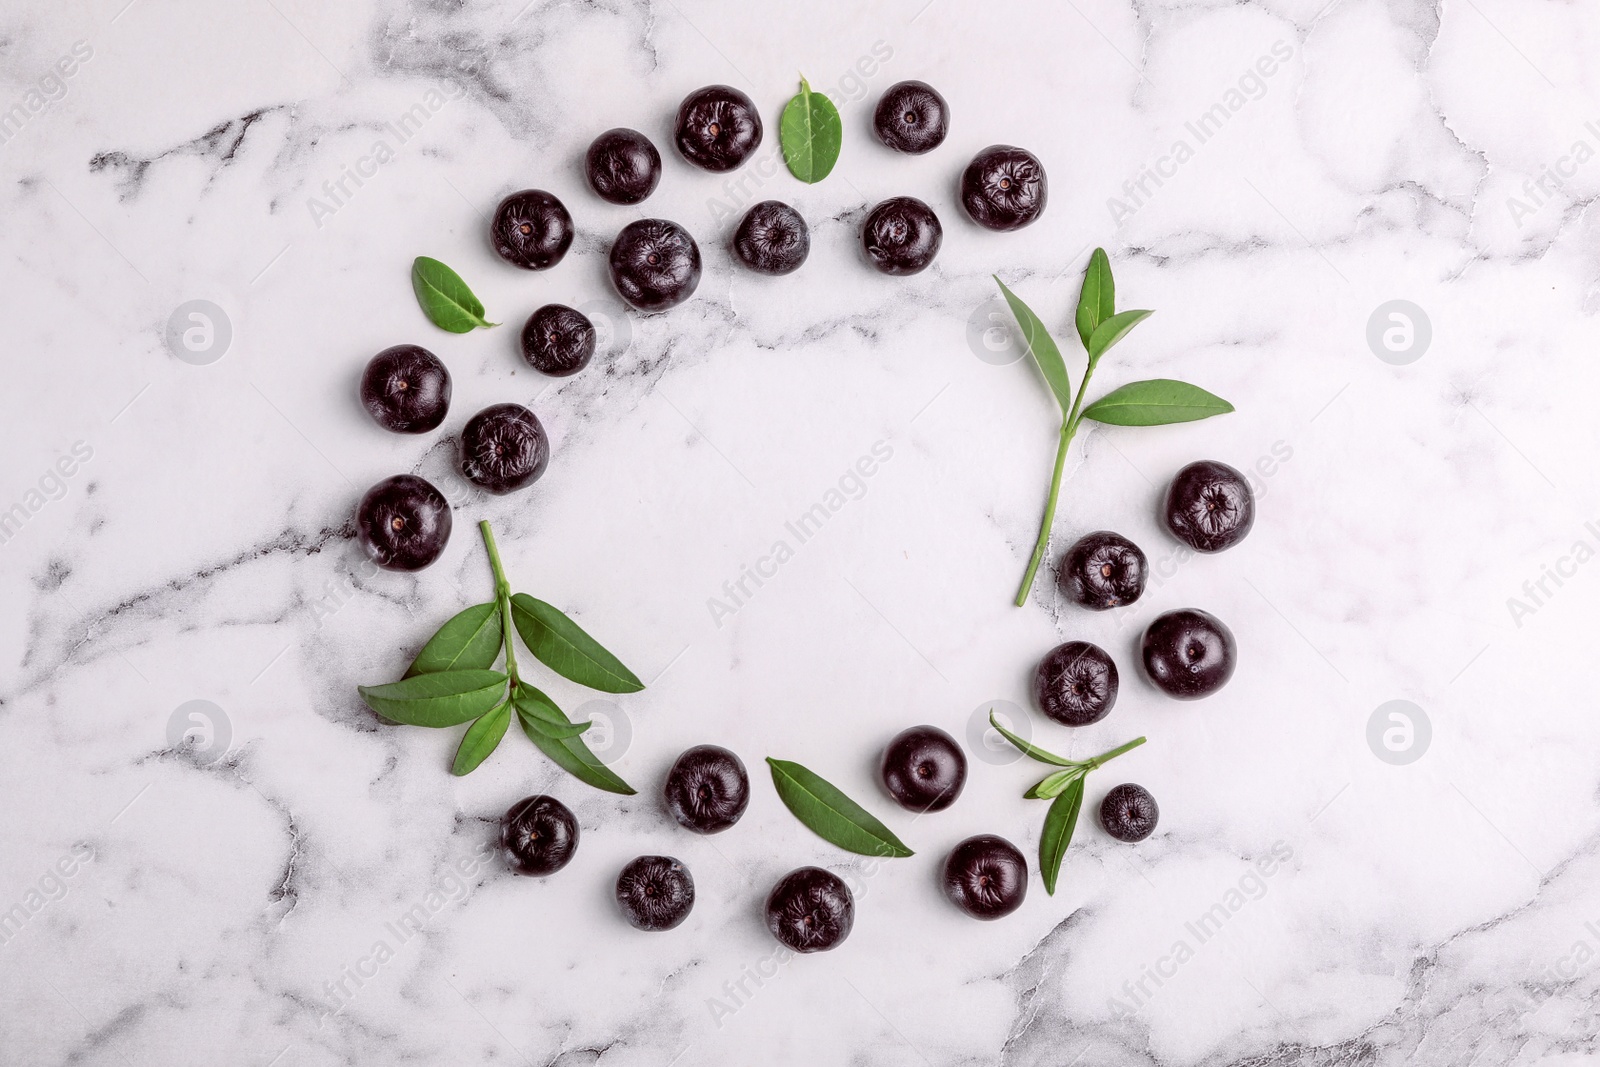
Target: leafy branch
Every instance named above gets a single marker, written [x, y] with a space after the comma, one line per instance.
[1064, 788]
[1155, 402]
[451, 681]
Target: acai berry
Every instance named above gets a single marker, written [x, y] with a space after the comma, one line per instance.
[1188, 654]
[1076, 684]
[655, 892]
[1004, 187]
[1209, 506]
[403, 523]
[406, 389]
[901, 235]
[707, 789]
[540, 835]
[655, 264]
[986, 877]
[1129, 812]
[717, 128]
[772, 238]
[531, 230]
[558, 340]
[1102, 570]
[810, 910]
[923, 769]
[504, 448]
[911, 117]
[622, 166]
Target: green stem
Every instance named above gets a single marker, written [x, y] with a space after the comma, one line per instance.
[1069, 428]
[1113, 754]
[502, 595]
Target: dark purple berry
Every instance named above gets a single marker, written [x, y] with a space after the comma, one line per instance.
[655, 264]
[901, 235]
[539, 835]
[531, 230]
[655, 892]
[622, 165]
[1210, 506]
[1129, 813]
[718, 127]
[1188, 654]
[911, 117]
[406, 389]
[923, 769]
[1004, 188]
[707, 789]
[558, 340]
[503, 448]
[403, 523]
[772, 238]
[810, 910]
[986, 877]
[1076, 684]
[1102, 570]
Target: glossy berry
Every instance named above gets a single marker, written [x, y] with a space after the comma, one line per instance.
[911, 117]
[986, 877]
[707, 789]
[540, 835]
[503, 448]
[622, 166]
[1102, 570]
[1188, 654]
[406, 389]
[531, 230]
[810, 910]
[655, 264]
[558, 341]
[901, 235]
[1004, 188]
[717, 128]
[1129, 813]
[772, 238]
[1209, 506]
[403, 523]
[1076, 684]
[655, 892]
[923, 769]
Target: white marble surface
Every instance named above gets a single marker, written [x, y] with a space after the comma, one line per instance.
[1440, 912]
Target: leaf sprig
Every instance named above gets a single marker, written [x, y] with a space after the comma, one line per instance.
[834, 817]
[811, 134]
[447, 300]
[1064, 788]
[1156, 402]
[452, 681]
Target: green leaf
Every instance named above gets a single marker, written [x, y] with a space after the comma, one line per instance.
[1113, 330]
[561, 645]
[1155, 402]
[535, 712]
[1051, 785]
[1059, 823]
[1097, 301]
[811, 134]
[447, 698]
[482, 738]
[1032, 750]
[832, 815]
[1044, 350]
[445, 298]
[469, 640]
